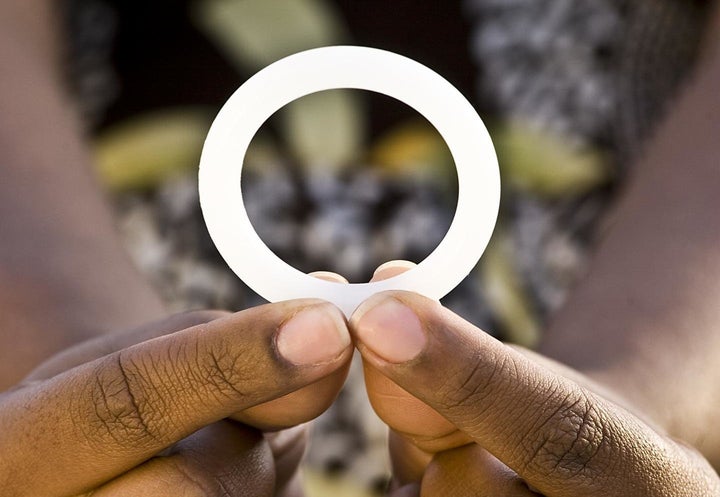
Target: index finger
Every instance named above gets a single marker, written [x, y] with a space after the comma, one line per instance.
[102, 418]
[561, 438]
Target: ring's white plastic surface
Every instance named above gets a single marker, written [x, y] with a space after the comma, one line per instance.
[360, 68]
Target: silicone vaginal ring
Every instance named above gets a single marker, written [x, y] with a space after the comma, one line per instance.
[360, 68]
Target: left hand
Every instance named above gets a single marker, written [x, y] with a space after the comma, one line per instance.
[143, 412]
[474, 417]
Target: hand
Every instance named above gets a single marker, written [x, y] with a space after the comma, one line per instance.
[144, 413]
[473, 417]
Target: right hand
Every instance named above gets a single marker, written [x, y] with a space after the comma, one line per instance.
[474, 417]
[144, 413]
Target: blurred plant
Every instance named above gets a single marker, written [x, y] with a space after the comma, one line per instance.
[255, 33]
[326, 129]
[319, 485]
[144, 151]
[416, 150]
[543, 163]
[503, 289]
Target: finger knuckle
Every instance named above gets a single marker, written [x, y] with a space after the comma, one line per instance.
[472, 388]
[123, 406]
[226, 371]
[203, 369]
[569, 440]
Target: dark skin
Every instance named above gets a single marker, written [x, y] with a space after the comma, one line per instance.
[178, 406]
[628, 386]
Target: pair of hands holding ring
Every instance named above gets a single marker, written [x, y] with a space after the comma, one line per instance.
[216, 404]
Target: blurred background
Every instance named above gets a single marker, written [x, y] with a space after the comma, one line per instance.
[346, 180]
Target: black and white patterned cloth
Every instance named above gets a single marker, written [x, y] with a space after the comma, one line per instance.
[599, 73]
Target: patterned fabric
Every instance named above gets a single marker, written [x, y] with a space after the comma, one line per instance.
[597, 72]
[90, 28]
[579, 68]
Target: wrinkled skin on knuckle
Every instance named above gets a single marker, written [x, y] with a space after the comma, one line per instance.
[232, 370]
[570, 443]
[237, 373]
[471, 391]
[227, 372]
[124, 408]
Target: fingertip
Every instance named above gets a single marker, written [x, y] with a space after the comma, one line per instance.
[388, 328]
[312, 343]
[391, 269]
[315, 334]
[329, 276]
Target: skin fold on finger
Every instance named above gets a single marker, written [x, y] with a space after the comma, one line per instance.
[222, 459]
[297, 407]
[105, 417]
[407, 461]
[288, 449]
[562, 439]
[409, 416]
[304, 404]
[471, 471]
[411, 490]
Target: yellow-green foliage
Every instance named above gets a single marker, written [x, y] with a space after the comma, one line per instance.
[143, 151]
[540, 162]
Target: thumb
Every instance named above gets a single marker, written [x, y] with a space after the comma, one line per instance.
[401, 411]
[416, 429]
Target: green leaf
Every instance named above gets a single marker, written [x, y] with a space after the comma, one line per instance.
[255, 33]
[145, 150]
[505, 293]
[540, 162]
[325, 129]
[415, 149]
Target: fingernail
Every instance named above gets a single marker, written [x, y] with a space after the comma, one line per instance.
[313, 336]
[392, 268]
[392, 331]
[328, 276]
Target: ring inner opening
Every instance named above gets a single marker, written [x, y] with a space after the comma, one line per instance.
[329, 185]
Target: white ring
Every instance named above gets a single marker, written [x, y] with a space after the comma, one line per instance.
[360, 68]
